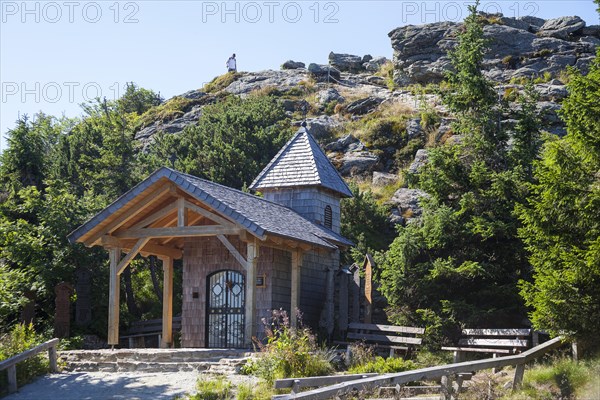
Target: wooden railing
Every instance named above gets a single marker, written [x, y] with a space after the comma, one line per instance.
[11, 364]
[444, 372]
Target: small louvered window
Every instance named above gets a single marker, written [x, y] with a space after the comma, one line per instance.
[328, 217]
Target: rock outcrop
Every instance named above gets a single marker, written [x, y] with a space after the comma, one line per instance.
[525, 47]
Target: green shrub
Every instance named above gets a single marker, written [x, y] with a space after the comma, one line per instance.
[260, 391]
[384, 133]
[545, 77]
[387, 71]
[510, 61]
[429, 118]
[361, 354]
[165, 112]
[543, 53]
[558, 380]
[289, 353]
[22, 337]
[330, 107]
[213, 389]
[221, 82]
[383, 366]
[405, 155]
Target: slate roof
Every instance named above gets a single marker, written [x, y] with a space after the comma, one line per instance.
[255, 214]
[301, 162]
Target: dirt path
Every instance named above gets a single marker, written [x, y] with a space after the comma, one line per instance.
[104, 386]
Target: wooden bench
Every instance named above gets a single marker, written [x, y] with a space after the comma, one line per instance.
[142, 329]
[383, 336]
[494, 341]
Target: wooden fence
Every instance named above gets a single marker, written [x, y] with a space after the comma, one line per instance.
[447, 372]
[11, 364]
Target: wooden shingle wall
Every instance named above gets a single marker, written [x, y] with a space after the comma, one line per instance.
[313, 293]
[309, 202]
[202, 257]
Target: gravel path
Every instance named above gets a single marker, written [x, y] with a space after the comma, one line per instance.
[104, 386]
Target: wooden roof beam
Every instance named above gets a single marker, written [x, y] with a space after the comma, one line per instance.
[234, 252]
[156, 216]
[207, 214]
[151, 198]
[173, 232]
[131, 255]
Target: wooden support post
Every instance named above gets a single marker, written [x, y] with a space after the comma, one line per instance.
[329, 301]
[355, 292]
[368, 266]
[295, 295]
[343, 303]
[458, 384]
[458, 356]
[12, 378]
[53, 358]
[495, 369]
[518, 379]
[446, 388]
[181, 212]
[251, 261]
[166, 340]
[114, 291]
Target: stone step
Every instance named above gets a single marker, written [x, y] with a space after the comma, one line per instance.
[152, 355]
[225, 366]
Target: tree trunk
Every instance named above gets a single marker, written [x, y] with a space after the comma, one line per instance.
[129, 296]
[155, 284]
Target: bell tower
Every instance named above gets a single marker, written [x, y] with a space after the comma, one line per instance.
[302, 178]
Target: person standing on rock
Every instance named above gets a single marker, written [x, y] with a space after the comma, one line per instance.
[231, 64]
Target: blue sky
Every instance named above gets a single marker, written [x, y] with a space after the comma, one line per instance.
[55, 55]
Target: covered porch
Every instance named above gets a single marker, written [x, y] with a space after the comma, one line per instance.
[159, 215]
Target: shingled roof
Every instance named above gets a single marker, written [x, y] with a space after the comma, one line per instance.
[301, 162]
[257, 215]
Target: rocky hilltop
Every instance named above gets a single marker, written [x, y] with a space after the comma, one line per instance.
[376, 117]
[526, 47]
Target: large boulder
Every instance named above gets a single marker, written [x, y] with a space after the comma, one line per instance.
[414, 128]
[407, 201]
[289, 64]
[534, 23]
[375, 64]
[282, 80]
[420, 160]
[416, 47]
[346, 62]
[506, 41]
[328, 95]
[561, 28]
[323, 72]
[383, 179]
[322, 126]
[358, 163]
[514, 51]
[341, 144]
[364, 106]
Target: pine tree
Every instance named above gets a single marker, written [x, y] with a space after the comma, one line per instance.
[562, 219]
[460, 263]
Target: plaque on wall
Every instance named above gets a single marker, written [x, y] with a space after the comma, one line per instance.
[261, 281]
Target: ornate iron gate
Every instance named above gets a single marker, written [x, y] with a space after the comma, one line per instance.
[225, 305]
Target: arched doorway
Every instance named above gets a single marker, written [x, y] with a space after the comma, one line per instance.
[225, 308]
